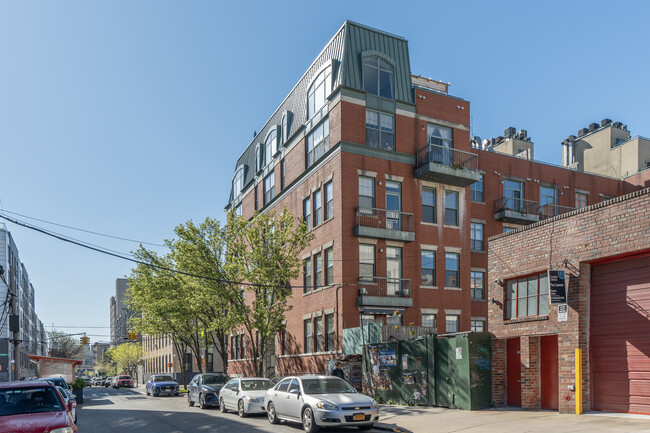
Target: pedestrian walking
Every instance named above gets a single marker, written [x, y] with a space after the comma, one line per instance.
[338, 371]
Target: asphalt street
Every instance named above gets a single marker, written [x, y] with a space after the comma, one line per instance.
[107, 410]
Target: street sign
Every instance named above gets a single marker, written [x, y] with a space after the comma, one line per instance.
[556, 287]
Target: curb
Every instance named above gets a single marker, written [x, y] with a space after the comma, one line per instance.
[386, 427]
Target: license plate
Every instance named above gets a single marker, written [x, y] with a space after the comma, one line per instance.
[358, 417]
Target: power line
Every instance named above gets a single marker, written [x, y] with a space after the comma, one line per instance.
[83, 230]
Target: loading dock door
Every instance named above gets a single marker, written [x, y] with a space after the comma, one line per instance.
[620, 335]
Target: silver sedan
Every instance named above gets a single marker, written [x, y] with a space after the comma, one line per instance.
[245, 395]
[320, 401]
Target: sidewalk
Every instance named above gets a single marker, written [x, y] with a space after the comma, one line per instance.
[419, 419]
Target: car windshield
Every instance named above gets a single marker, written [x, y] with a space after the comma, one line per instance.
[163, 379]
[326, 386]
[256, 385]
[14, 401]
[58, 381]
[124, 377]
[214, 379]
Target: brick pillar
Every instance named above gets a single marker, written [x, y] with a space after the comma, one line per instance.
[499, 372]
[530, 387]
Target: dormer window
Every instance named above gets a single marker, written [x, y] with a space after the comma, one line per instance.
[285, 126]
[378, 77]
[259, 158]
[270, 145]
[238, 182]
[317, 94]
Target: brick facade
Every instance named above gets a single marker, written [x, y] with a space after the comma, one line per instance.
[618, 227]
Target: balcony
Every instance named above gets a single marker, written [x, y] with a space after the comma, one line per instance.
[550, 210]
[384, 292]
[515, 210]
[448, 166]
[384, 224]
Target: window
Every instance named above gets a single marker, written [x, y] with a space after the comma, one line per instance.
[452, 323]
[452, 264]
[451, 208]
[270, 146]
[238, 210]
[306, 208]
[269, 188]
[283, 342]
[478, 325]
[394, 271]
[308, 336]
[238, 182]
[476, 235]
[508, 229]
[317, 208]
[581, 199]
[329, 266]
[307, 275]
[440, 144]
[394, 320]
[318, 92]
[380, 130]
[366, 262]
[318, 142]
[318, 322]
[428, 205]
[233, 347]
[285, 127]
[318, 271]
[367, 319]
[366, 192]
[378, 77]
[329, 201]
[329, 332]
[428, 268]
[478, 285]
[527, 296]
[256, 203]
[259, 157]
[513, 193]
[476, 191]
[428, 319]
[282, 173]
[548, 201]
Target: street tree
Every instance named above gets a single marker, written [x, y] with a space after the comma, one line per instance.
[62, 345]
[126, 356]
[264, 253]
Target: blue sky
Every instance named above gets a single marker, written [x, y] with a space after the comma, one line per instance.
[126, 118]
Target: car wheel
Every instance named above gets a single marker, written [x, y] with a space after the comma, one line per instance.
[202, 401]
[189, 400]
[308, 423]
[270, 413]
[240, 409]
[365, 427]
[222, 406]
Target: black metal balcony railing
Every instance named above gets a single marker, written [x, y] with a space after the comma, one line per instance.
[381, 286]
[550, 210]
[384, 219]
[453, 158]
[528, 207]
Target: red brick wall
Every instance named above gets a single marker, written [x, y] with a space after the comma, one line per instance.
[620, 226]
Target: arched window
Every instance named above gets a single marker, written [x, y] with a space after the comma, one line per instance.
[238, 182]
[378, 77]
[320, 88]
[270, 145]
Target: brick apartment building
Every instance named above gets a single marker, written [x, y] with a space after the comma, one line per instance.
[400, 198]
[604, 250]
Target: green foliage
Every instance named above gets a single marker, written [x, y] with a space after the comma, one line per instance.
[78, 384]
[62, 345]
[126, 356]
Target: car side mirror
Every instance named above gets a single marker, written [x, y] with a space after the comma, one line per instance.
[234, 388]
[295, 391]
[70, 405]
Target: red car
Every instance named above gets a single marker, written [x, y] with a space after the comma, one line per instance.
[34, 407]
[123, 381]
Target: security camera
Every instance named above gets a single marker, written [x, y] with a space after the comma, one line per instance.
[496, 281]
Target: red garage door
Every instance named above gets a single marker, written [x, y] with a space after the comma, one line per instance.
[620, 336]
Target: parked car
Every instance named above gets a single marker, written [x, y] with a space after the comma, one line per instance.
[204, 389]
[123, 380]
[87, 380]
[320, 401]
[34, 406]
[245, 395]
[98, 381]
[108, 382]
[70, 401]
[57, 381]
[159, 384]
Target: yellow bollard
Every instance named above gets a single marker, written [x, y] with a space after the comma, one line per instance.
[578, 381]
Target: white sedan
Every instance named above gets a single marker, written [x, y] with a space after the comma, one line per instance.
[244, 394]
